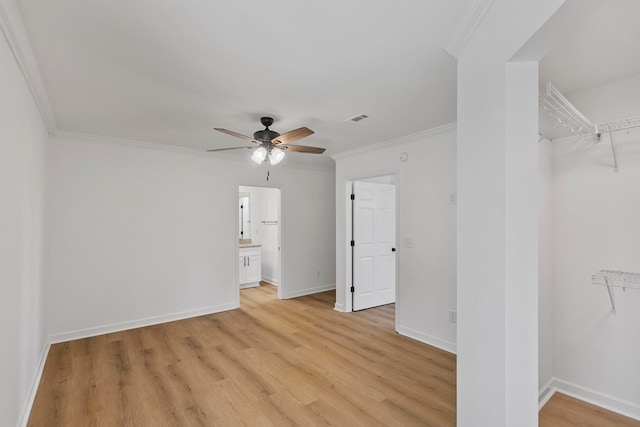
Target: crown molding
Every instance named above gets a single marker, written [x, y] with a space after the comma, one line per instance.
[465, 29]
[124, 141]
[79, 136]
[428, 133]
[17, 39]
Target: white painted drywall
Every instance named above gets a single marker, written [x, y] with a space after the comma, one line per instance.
[497, 379]
[22, 144]
[138, 234]
[596, 224]
[545, 266]
[426, 273]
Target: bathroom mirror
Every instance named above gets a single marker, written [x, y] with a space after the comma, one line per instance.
[244, 217]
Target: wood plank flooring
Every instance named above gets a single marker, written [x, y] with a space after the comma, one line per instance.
[565, 411]
[269, 363]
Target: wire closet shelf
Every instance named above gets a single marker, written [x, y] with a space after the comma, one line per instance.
[616, 278]
[567, 115]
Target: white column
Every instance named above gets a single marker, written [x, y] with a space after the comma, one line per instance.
[497, 219]
[521, 245]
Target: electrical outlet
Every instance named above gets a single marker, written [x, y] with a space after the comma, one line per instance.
[453, 316]
[453, 198]
[318, 274]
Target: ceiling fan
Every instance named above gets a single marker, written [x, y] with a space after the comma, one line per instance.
[272, 145]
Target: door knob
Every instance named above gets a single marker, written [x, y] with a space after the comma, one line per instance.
[393, 249]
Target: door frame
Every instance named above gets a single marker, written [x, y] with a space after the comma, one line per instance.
[281, 235]
[394, 172]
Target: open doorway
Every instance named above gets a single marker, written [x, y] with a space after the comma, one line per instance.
[373, 242]
[260, 238]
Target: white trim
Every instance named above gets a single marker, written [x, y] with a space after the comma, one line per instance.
[309, 291]
[339, 307]
[467, 27]
[445, 345]
[28, 404]
[428, 133]
[168, 147]
[282, 284]
[271, 281]
[349, 180]
[123, 326]
[611, 403]
[545, 393]
[12, 28]
[133, 142]
[250, 285]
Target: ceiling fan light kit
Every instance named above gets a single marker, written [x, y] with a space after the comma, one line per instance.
[272, 145]
[276, 155]
[259, 155]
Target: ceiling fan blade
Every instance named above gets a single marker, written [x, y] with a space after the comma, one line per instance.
[304, 149]
[292, 135]
[236, 134]
[231, 148]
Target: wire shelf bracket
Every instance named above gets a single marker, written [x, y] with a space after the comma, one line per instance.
[567, 114]
[616, 278]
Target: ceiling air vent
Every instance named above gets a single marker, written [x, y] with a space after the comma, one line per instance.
[357, 118]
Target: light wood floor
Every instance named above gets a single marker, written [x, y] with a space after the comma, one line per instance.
[565, 411]
[272, 362]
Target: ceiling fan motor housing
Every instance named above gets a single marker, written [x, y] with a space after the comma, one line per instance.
[265, 135]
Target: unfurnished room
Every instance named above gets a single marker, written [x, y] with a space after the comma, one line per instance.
[354, 213]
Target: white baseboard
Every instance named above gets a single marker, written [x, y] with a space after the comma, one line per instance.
[273, 281]
[545, 393]
[445, 345]
[26, 410]
[309, 291]
[338, 307]
[123, 326]
[249, 285]
[620, 406]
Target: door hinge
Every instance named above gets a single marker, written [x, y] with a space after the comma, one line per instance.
[353, 289]
[353, 243]
[353, 197]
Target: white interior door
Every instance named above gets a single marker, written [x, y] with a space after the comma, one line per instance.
[374, 235]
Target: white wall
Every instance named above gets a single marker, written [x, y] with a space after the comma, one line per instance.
[426, 286]
[22, 144]
[136, 235]
[545, 266]
[596, 226]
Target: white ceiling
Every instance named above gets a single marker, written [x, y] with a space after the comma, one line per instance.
[602, 50]
[167, 72]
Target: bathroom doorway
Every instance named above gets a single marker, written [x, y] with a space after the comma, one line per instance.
[260, 237]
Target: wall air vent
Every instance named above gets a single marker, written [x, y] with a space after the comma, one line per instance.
[357, 118]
